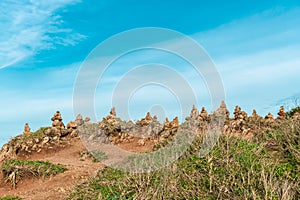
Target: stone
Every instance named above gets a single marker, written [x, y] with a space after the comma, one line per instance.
[79, 120]
[174, 123]
[281, 114]
[148, 117]
[72, 125]
[26, 129]
[113, 112]
[141, 142]
[223, 109]
[166, 123]
[45, 140]
[239, 114]
[203, 115]
[269, 117]
[58, 127]
[87, 120]
[194, 113]
[57, 116]
[145, 121]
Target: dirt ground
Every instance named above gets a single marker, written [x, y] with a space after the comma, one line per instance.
[59, 186]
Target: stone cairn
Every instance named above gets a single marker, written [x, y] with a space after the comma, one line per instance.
[269, 117]
[281, 114]
[58, 127]
[26, 129]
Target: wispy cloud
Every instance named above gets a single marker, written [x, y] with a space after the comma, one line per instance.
[29, 26]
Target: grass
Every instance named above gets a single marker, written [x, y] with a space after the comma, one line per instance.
[266, 167]
[35, 135]
[10, 198]
[14, 170]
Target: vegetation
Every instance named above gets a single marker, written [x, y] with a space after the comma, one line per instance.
[293, 111]
[10, 198]
[13, 169]
[264, 167]
[35, 135]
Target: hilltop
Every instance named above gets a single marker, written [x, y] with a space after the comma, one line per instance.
[255, 157]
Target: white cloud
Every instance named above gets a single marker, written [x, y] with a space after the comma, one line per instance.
[30, 26]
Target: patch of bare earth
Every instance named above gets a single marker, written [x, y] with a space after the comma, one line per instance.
[59, 186]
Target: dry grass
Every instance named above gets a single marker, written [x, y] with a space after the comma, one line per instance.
[266, 167]
[14, 170]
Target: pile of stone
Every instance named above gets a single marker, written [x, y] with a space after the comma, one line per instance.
[269, 117]
[26, 129]
[58, 127]
[281, 114]
[204, 116]
[73, 126]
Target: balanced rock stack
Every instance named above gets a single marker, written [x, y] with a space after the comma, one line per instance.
[72, 129]
[58, 127]
[26, 129]
[145, 121]
[57, 121]
[174, 123]
[269, 117]
[79, 121]
[223, 109]
[111, 118]
[281, 114]
[239, 122]
[203, 115]
[255, 116]
[73, 126]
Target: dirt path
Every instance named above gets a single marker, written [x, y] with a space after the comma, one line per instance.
[59, 186]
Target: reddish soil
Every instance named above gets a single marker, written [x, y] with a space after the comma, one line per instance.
[133, 146]
[59, 186]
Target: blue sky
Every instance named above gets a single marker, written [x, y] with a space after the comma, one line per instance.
[255, 46]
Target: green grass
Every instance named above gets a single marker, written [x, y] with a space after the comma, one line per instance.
[234, 169]
[13, 169]
[10, 198]
[35, 135]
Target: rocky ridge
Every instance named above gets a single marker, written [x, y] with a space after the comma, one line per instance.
[112, 130]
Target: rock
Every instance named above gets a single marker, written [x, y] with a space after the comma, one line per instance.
[239, 114]
[45, 140]
[269, 117]
[203, 115]
[87, 120]
[113, 112]
[281, 114]
[79, 121]
[72, 125]
[223, 109]
[26, 129]
[57, 116]
[174, 123]
[166, 123]
[148, 117]
[58, 127]
[141, 142]
[194, 113]
[145, 121]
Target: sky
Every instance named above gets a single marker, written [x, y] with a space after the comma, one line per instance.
[255, 46]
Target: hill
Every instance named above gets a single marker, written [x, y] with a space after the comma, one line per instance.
[254, 158]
